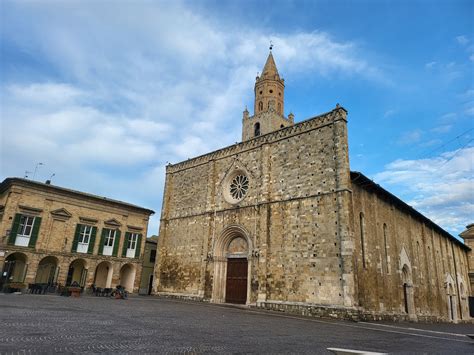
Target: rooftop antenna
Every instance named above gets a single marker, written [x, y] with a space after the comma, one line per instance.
[36, 169]
[48, 182]
[26, 174]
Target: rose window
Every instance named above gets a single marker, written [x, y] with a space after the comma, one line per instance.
[239, 187]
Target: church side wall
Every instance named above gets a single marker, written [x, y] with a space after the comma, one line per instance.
[437, 279]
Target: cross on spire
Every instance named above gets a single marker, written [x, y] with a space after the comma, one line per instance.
[271, 45]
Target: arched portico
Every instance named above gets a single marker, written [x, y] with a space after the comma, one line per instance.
[14, 269]
[77, 272]
[127, 276]
[232, 265]
[103, 275]
[47, 272]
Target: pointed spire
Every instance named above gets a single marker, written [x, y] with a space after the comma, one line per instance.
[270, 69]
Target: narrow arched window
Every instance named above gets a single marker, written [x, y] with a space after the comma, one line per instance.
[256, 129]
[260, 106]
[362, 237]
[279, 108]
[385, 243]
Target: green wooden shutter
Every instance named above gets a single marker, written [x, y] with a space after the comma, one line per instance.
[102, 241]
[116, 243]
[14, 230]
[90, 250]
[125, 244]
[139, 244]
[34, 232]
[76, 238]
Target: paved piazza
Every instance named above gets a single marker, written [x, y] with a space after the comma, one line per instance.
[46, 324]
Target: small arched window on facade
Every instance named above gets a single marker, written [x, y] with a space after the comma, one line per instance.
[279, 108]
[385, 243]
[362, 237]
[256, 129]
[260, 106]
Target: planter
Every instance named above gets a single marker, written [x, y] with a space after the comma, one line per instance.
[15, 287]
[75, 291]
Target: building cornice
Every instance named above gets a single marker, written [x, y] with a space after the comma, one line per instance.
[325, 119]
[19, 182]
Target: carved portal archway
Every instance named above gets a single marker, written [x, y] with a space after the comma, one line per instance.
[408, 296]
[451, 298]
[233, 244]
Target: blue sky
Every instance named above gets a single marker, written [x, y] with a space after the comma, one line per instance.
[105, 93]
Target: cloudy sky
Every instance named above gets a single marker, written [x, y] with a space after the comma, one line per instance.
[105, 93]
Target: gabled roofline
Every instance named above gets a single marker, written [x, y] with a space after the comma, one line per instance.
[364, 182]
[8, 182]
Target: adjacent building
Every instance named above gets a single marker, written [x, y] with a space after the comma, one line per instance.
[57, 236]
[279, 221]
[148, 266]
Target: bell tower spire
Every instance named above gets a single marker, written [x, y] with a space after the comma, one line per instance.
[269, 102]
[269, 88]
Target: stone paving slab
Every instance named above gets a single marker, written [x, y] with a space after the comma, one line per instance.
[53, 324]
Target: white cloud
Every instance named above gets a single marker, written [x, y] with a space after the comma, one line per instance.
[462, 40]
[442, 129]
[153, 83]
[410, 137]
[448, 117]
[389, 113]
[469, 111]
[442, 187]
[430, 65]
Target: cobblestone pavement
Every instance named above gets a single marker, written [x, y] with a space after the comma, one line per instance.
[47, 324]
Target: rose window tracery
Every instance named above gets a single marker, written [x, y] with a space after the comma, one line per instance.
[239, 187]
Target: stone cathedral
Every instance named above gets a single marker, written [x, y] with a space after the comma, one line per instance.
[279, 221]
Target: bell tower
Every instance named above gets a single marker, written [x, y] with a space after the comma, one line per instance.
[269, 103]
[269, 88]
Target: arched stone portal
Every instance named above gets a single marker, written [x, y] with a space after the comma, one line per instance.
[14, 269]
[451, 299]
[77, 273]
[103, 275]
[47, 272]
[408, 297]
[127, 277]
[232, 265]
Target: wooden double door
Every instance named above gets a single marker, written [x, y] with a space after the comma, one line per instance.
[236, 280]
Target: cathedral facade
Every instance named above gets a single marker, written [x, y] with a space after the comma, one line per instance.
[279, 221]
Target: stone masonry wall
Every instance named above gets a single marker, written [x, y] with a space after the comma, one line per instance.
[296, 213]
[432, 258]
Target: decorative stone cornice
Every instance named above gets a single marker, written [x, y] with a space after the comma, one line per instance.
[61, 214]
[30, 210]
[338, 114]
[134, 228]
[88, 220]
[113, 223]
